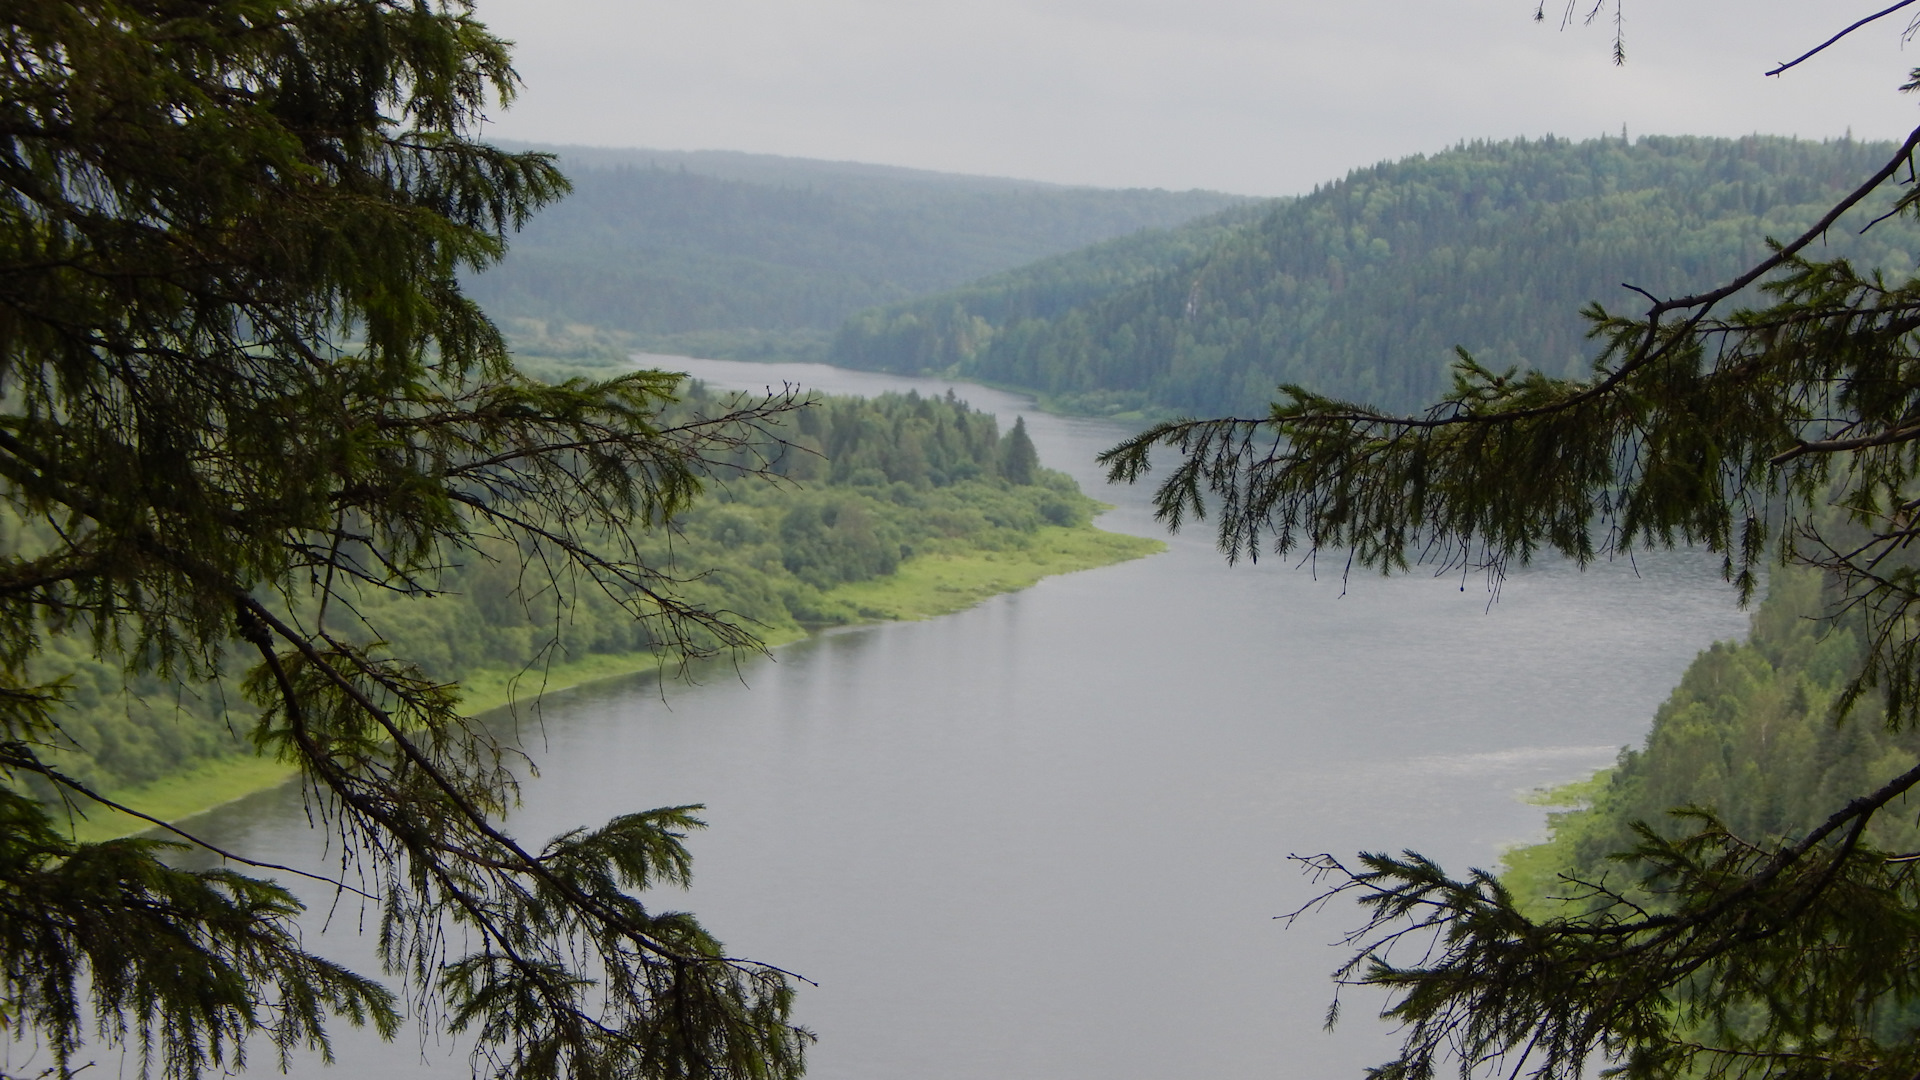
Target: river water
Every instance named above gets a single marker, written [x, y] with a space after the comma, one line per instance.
[1047, 837]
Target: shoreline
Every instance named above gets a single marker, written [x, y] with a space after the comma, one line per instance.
[923, 587]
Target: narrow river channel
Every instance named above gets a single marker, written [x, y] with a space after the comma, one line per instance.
[1046, 838]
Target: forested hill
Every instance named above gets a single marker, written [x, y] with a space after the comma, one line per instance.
[743, 247]
[1363, 288]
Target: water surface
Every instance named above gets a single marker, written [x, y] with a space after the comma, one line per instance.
[1047, 837]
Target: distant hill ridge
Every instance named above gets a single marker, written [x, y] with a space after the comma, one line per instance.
[1362, 288]
[720, 252]
[778, 170]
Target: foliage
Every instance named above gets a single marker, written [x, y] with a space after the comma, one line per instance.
[241, 392]
[867, 484]
[1713, 952]
[195, 962]
[741, 256]
[1018, 460]
[951, 330]
[907, 476]
[1363, 288]
[1748, 735]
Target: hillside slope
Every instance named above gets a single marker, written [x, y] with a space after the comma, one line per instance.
[1363, 288]
[656, 244]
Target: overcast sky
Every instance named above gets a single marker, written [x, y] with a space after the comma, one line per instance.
[1264, 97]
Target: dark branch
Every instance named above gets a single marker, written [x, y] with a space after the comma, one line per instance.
[1823, 46]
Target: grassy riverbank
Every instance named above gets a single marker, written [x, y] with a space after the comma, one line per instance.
[920, 588]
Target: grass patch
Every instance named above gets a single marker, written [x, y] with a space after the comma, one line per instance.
[182, 795]
[1577, 795]
[1532, 871]
[940, 584]
[1532, 874]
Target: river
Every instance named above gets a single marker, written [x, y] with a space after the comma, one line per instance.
[1047, 837]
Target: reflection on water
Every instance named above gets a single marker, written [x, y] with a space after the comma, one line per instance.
[1047, 837]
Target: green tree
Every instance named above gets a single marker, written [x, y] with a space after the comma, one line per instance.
[239, 388]
[1783, 429]
[1019, 461]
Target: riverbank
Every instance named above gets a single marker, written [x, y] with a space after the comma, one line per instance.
[923, 587]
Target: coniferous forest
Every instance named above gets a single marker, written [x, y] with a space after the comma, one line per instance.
[1362, 289]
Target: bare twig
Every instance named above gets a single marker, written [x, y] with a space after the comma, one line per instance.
[1810, 53]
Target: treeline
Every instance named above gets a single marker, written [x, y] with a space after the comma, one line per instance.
[1747, 735]
[735, 251]
[1363, 288]
[866, 484]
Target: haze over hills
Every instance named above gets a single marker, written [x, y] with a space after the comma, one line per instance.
[1363, 288]
[728, 253]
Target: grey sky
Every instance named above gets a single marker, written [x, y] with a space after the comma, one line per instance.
[1258, 96]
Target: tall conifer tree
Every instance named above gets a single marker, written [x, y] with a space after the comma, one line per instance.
[238, 384]
[1019, 461]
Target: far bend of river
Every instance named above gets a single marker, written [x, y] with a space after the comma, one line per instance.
[1046, 838]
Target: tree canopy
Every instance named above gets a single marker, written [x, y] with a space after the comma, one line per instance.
[1361, 288]
[241, 390]
[1783, 430]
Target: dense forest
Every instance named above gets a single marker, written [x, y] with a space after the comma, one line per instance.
[1748, 735]
[1363, 288]
[750, 255]
[948, 331]
[865, 484]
